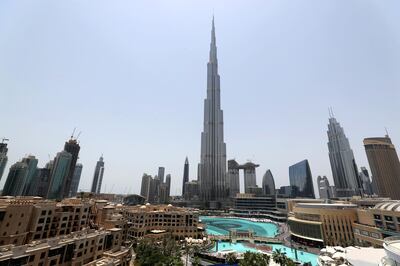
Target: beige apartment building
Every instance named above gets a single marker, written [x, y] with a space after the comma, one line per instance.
[32, 218]
[159, 220]
[321, 224]
[80, 248]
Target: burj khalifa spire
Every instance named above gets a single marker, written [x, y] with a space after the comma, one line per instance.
[212, 167]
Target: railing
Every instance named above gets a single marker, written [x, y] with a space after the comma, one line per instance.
[243, 238]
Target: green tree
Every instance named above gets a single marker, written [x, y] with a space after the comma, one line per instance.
[279, 257]
[254, 259]
[196, 261]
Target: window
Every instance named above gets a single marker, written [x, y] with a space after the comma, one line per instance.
[31, 258]
[43, 212]
[388, 218]
[42, 255]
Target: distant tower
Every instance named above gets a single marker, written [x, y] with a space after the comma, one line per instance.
[233, 178]
[250, 180]
[366, 181]
[185, 175]
[145, 187]
[98, 176]
[73, 148]
[3, 157]
[385, 166]
[268, 183]
[301, 178]
[212, 176]
[323, 187]
[344, 168]
[168, 182]
[20, 177]
[161, 172]
[75, 180]
[59, 172]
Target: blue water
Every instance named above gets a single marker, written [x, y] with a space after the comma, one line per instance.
[302, 256]
[221, 226]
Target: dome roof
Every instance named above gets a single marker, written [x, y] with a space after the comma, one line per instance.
[388, 206]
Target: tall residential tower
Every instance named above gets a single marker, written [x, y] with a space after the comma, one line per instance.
[98, 176]
[212, 176]
[185, 175]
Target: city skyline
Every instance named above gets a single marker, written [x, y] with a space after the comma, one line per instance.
[273, 145]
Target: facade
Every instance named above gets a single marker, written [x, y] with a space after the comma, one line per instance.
[75, 180]
[301, 178]
[156, 221]
[287, 191]
[322, 224]
[73, 148]
[233, 178]
[212, 175]
[3, 157]
[42, 181]
[59, 173]
[385, 166]
[344, 168]
[268, 183]
[20, 180]
[185, 175]
[134, 199]
[98, 176]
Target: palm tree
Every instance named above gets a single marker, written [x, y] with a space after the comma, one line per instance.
[230, 258]
[254, 259]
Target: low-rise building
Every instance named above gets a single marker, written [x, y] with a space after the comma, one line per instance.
[320, 224]
[78, 248]
[159, 220]
[377, 223]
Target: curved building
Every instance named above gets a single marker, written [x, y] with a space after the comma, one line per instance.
[268, 183]
[385, 166]
[300, 177]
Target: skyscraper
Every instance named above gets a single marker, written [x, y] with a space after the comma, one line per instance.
[98, 176]
[20, 177]
[59, 172]
[168, 182]
[3, 157]
[29, 186]
[213, 149]
[161, 172]
[385, 166]
[185, 175]
[233, 178]
[268, 183]
[301, 178]
[75, 179]
[344, 168]
[145, 186]
[73, 148]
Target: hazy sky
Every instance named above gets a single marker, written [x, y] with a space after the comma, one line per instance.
[131, 75]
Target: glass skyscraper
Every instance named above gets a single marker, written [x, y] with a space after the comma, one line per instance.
[301, 178]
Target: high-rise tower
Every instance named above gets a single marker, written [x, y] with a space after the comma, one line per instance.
[212, 175]
[3, 156]
[268, 183]
[185, 175]
[343, 164]
[98, 176]
[76, 179]
[72, 147]
[385, 166]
